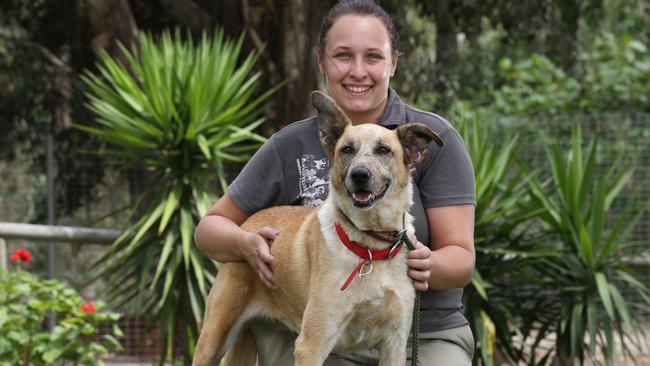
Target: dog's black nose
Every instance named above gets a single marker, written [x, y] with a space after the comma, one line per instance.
[360, 175]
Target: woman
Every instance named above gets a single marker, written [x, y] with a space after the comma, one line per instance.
[357, 57]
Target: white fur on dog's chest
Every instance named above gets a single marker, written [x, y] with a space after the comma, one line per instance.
[380, 307]
[377, 304]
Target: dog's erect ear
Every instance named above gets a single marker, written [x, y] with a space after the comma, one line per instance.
[415, 139]
[331, 120]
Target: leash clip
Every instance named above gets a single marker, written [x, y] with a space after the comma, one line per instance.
[396, 244]
[404, 237]
[368, 264]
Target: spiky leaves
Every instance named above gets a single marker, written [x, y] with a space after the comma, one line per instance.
[181, 110]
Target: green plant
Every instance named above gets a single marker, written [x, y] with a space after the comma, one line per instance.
[25, 301]
[181, 110]
[585, 276]
[504, 250]
[534, 85]
[616, 74]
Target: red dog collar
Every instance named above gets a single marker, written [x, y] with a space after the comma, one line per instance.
[368, 255]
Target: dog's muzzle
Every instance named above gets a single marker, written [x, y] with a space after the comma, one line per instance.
[361, 191]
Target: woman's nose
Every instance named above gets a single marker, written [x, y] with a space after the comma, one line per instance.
[358, 69]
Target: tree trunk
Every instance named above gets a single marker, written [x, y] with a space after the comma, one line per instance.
[288, 38]
[446, 49]
[189, 14]
[564, 37]
[112, 22]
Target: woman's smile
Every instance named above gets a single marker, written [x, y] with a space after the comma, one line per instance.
[357, 89]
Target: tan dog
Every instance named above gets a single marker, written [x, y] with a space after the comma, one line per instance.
[370, 193]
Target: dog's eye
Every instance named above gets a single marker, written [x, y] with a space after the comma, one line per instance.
[347, 149]
[383, 150]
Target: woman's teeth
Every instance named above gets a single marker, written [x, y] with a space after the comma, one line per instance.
[358, 89]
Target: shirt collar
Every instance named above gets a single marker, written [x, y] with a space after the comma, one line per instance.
[395, 113]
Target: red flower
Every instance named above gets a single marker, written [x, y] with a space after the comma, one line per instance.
[21, 255]
[87, 307]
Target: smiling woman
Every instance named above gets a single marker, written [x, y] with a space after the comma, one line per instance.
[357, 66]
[357, 56]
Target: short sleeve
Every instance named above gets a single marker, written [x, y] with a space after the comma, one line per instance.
[446, 177]
[260, 183]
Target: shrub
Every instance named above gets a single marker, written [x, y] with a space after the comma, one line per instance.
[26, 301]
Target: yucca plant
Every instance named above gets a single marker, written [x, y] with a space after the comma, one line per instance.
[181, 110]
[587, 275]
[504, 254]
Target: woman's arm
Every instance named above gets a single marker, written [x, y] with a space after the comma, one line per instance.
[450, 261]
[220, 236]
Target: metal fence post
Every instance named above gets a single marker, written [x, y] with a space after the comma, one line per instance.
[3, 254]
[51, 253]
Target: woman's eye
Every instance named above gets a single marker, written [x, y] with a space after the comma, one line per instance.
[347, 150]
[375, 57]
[342, 56]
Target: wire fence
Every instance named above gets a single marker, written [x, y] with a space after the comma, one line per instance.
[83, 198]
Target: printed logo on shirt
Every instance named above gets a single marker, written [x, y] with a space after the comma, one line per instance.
[313, 179]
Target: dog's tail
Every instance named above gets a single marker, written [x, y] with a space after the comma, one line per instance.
[243, 352]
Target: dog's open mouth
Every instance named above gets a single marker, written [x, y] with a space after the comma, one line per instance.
[363, 198]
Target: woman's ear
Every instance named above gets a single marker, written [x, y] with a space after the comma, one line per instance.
[394, 65]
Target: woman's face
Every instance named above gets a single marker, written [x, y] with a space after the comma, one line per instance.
[357, 62]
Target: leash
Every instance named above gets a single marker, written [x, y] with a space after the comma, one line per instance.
[368, 256]
[403, 237]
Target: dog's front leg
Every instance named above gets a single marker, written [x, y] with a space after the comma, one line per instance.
[392, 349]
[321, 328]
[393, 352]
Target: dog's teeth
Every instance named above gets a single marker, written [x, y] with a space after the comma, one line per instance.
[362, 196]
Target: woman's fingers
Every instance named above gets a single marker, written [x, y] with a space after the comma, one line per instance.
[420, 265]
[258, 254]
[268, 233]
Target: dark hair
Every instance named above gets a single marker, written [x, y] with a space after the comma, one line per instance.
[358, 7]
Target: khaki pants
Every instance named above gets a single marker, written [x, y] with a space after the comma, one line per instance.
[450, 347]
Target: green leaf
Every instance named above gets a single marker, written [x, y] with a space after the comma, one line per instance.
[577, 329]
[186, 228]
[168, 245]
[204, 146]
[117, 331]
[148, 223]
[603, 290]
[479, 284]
[52, 355]
[621, 307]
[170, 206]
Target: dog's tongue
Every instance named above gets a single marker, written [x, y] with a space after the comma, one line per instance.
[362, 196]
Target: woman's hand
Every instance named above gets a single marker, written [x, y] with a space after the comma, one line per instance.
[257, 252]
[420, 265]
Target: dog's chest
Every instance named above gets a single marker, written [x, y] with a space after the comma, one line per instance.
[380, 308]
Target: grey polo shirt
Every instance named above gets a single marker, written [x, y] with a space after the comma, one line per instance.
[291, 168]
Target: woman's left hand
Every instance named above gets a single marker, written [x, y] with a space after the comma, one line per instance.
[420, 265]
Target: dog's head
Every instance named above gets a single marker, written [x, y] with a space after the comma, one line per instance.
[370, 162]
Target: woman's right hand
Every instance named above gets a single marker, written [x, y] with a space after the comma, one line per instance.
[257, 252]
